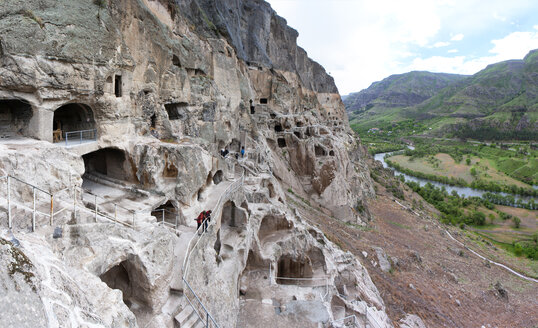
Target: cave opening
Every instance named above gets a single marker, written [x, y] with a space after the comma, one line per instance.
[263, 100]
[15, 116]
[167, 211]
[218, 177]
[73, 121]
[272, 224]
[108, 162]
[320, 151]
[281, 142]
[278, 128]
[177, 111]
[125, 277]
[118, 86]
[233, 216]
[175, 61]
[289, 268]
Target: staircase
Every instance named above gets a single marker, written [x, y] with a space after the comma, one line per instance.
[187, 318]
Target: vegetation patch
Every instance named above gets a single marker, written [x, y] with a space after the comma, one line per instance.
[20, 264]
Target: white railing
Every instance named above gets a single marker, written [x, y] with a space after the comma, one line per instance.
[12, 201]
[78, 137]
[161, 217]
[100, 212]
[195, 302]
[52, 200]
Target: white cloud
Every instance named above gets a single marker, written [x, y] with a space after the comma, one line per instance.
[441, 44]
[513, 46]
[457, 37]
[498, 17]
[364, 41]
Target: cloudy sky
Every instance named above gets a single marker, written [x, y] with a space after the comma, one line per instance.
[362, 41]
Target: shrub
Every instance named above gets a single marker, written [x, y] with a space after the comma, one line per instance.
[517, 222]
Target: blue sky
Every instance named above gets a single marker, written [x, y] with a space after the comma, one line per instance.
[363, 41]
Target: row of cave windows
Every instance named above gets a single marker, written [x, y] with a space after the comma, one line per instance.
[15, 116]
[319, 151]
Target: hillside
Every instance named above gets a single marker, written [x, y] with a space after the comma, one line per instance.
[399, 90]
[499, 102]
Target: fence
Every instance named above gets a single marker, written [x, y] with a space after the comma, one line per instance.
[104, 210]
[189, 293]
[41, 200]
[78, 137]
[161, 218]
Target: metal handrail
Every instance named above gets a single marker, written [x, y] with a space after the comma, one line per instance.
[80, 133]
[217, 211]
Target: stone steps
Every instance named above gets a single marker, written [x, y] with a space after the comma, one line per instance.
[187, 318]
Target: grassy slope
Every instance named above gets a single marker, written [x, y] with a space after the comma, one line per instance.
[503, 96]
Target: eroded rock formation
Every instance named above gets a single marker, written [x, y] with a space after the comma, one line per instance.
[162, 87]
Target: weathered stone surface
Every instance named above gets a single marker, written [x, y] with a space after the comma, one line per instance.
[168, 85]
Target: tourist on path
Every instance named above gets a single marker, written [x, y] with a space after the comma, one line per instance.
[200, 219]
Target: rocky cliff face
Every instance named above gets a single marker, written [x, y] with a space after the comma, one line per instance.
[166, 85]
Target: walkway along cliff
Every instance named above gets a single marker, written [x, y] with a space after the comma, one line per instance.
[112, 118]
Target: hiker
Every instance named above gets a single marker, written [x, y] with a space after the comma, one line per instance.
[222, 152]
[200, 219]
[242, 152]
[225, 152]
[207, 219]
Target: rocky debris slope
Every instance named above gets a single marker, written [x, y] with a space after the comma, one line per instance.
[167, 85]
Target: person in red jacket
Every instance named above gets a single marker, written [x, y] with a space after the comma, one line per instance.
[200, 219]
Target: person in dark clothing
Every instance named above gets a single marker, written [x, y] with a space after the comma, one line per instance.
[242, 152]
[207, 219]
[200, 220]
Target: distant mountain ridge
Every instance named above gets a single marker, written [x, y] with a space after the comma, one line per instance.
[500, 101]
[400, 90]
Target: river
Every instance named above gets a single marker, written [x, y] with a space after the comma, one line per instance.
[462, 191]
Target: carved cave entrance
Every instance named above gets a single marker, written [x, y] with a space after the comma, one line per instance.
[217, 177]
[15, 116]
[169, 211]
[111, 163]
[233, 216]
[127, 278]
[289, 268]
[273, 226]
[71, 118]
[177, 111]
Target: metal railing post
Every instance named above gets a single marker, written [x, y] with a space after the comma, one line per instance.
[75, 201]
[163, 215]
[9, 221]
[177, 217]
[95, 207]
[206, 320]
[33, 214]
[51, 209]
